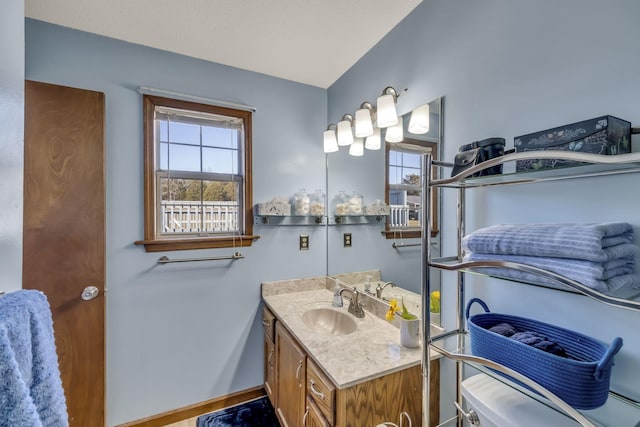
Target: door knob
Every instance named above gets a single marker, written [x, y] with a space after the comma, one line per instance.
[90, 292]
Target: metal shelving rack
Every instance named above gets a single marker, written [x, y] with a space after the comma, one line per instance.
[453, 344]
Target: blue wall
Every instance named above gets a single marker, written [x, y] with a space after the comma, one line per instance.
[186, 333]
[509, 68]
[11, 141]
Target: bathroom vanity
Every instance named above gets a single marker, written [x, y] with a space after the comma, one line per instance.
[354, 373]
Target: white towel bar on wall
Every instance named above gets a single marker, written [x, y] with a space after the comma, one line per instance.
[167, 260]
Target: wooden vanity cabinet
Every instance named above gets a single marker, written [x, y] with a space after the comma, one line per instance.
[303, 396]
[291, 368]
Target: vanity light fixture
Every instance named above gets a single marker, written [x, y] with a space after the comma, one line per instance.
[365, 128]
[364, 120]
[357, 148]
[373, 141]
[386, 108]
[330, 139]
[395, 132]
[345, 134]
[419, 122]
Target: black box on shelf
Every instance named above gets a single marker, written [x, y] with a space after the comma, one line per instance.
[602, 135]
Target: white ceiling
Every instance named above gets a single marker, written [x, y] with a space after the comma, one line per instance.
[307, 41]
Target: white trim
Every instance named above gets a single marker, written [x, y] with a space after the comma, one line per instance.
[186, 97]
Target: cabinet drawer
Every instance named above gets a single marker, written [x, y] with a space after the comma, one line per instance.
[269, 323]
[313, 416]
[322, 391]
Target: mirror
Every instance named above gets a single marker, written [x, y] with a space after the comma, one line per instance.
[387, 248]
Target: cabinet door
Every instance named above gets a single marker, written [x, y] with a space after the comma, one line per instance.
[270, 369]
[290, 386]
[313, 417]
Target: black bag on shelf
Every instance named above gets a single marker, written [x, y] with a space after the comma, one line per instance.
[478, 152]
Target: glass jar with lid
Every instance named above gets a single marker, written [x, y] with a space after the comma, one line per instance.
[317, 203]
[301, 203]
[355, 204]
[342, 204]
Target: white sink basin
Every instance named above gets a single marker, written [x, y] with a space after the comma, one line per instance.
[327, 321]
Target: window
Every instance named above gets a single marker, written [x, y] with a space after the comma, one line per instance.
[404, 188]
[197, 176]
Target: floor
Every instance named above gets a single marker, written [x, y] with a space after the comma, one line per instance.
[191, 422]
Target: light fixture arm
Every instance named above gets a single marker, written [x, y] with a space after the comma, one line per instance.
[389, 90]
[348, 117]
[369, 106]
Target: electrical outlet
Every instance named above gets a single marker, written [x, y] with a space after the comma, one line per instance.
[304, 242]
[346, 240]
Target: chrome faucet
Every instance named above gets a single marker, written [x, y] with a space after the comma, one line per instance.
[355, 307]
[380, 288]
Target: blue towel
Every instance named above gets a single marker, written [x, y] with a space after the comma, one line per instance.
[624, 281]
[504, 329]
[591, 242]
[539, 341]
[31, 393]
[604, 277]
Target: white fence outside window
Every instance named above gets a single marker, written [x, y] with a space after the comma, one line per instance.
[404, 216]
[199, 217]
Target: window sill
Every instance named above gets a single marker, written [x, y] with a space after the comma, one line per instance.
[406, 234]
[197, 243]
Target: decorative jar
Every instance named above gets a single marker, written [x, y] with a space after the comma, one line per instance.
[342, 204]
[301, 203]
[317, 203]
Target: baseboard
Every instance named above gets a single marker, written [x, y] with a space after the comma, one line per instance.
[196, 409]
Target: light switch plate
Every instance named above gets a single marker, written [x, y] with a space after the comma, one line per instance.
[346, 240]
[304, 242]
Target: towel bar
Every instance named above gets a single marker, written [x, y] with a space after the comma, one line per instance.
[167, 260]
[395, 245]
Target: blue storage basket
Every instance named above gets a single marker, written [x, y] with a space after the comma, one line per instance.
[582, 380]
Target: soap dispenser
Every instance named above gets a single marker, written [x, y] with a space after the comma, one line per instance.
[337, 298]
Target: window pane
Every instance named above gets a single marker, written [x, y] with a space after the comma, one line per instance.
[221, 206]
[219, 137]
[184, 158]
[195, 206]
[395, 176]
[411, 160]
[219, 160]
[411, 176]
[184, 133]
[164, 135]
[172, 189]
[164, 156]
[394, 157]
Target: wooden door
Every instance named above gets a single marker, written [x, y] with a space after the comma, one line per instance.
[64, 233]
[291, 368]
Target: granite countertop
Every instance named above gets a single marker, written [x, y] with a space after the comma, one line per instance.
[372, 350]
